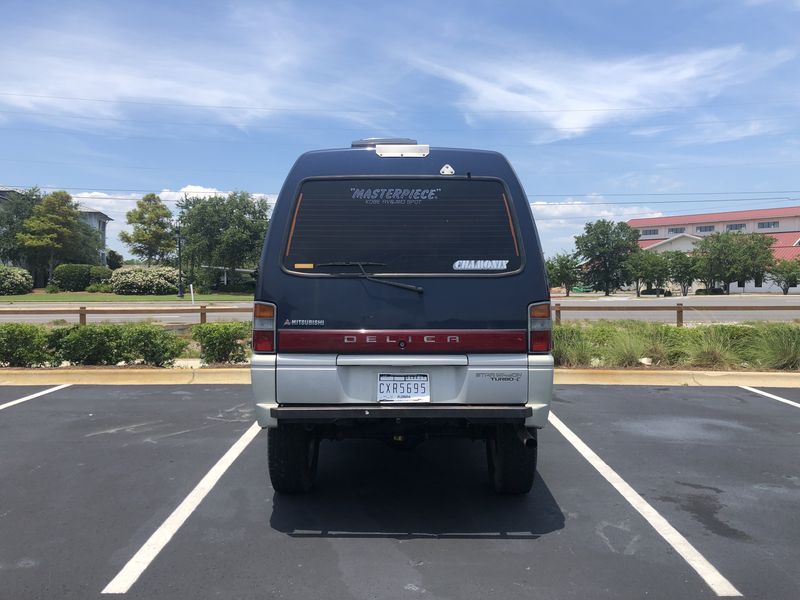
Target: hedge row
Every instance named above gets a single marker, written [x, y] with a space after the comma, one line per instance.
[26, 345]
[769, 346]
[76, 278]
[127, 280]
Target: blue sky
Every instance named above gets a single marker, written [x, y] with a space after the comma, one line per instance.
[606, 109]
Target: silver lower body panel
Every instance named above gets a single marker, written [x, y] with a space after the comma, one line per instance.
[330, 380]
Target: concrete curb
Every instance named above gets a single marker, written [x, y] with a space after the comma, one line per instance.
[122, 376]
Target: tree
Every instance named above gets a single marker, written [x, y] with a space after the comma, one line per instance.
[730, 256]
[635, 268]
[681, 269]
[152, 237]
[606, 246]
[755, 256]
[649, 268]
[15, 209]
[54, 233]
[223, 231]
[563, 270]
[785, 273]
[113, 259]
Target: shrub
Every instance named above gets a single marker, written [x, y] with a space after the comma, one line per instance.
[105, 288]
[14, 280]
[223, 342]
[88, 344]
[143, 280]
[151, 344]
[52, 288]
[99, 274]
[72, 278]
[23, 345]
[111, 344]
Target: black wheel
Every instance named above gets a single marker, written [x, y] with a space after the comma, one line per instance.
[512, 462]
[292, 453]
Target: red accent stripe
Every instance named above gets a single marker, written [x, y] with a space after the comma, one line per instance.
[414, 341]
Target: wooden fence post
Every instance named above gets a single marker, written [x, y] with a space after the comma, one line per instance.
[679, 314]
[558, 313]
[82, 315]
[202, 313]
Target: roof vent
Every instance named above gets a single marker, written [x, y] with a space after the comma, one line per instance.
[372, 142]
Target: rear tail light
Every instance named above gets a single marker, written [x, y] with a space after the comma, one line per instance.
[539, 328]
[263, 327]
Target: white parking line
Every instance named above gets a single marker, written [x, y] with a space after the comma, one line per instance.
[156, 542]
[32, 396]
[768, 395]
[709, 574]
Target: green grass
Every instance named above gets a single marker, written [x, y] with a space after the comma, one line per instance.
[41, 296]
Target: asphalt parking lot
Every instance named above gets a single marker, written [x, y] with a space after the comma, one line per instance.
[89, 473]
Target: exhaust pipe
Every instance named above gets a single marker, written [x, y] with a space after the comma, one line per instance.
[527, 438]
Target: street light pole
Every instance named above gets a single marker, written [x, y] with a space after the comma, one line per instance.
[180, 263]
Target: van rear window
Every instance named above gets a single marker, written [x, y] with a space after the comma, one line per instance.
[403, 226]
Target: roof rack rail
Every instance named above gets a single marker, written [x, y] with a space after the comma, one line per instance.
[372, 142]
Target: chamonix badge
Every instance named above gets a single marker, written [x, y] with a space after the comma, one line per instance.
[480, 265]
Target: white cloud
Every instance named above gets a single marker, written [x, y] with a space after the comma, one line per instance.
[559, 222]
[572, 94]
[253, 64]
[575, 213]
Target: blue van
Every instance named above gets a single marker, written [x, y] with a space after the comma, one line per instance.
[402, 294]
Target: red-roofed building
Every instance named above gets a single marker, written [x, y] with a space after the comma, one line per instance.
[660, 234]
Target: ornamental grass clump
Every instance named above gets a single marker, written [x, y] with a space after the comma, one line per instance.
[776, 346]
[571, 348]
[714, 347]
[625, 350]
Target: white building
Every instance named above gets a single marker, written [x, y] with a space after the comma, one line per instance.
[661, 234]
[97, 220]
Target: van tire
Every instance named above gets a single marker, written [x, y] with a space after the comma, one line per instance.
[512, 463]
[292, 453]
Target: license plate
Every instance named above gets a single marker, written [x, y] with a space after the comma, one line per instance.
[403, 387]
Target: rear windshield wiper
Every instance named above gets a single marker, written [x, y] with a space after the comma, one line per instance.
[362, 264]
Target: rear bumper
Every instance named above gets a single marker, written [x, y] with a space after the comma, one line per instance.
[328, 414]
[315, 386]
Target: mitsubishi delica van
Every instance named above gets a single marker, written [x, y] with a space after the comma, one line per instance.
[402, 295]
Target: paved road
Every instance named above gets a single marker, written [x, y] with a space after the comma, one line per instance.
[692, 306]
[691, 314]
[170, 319]
[90, 472]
